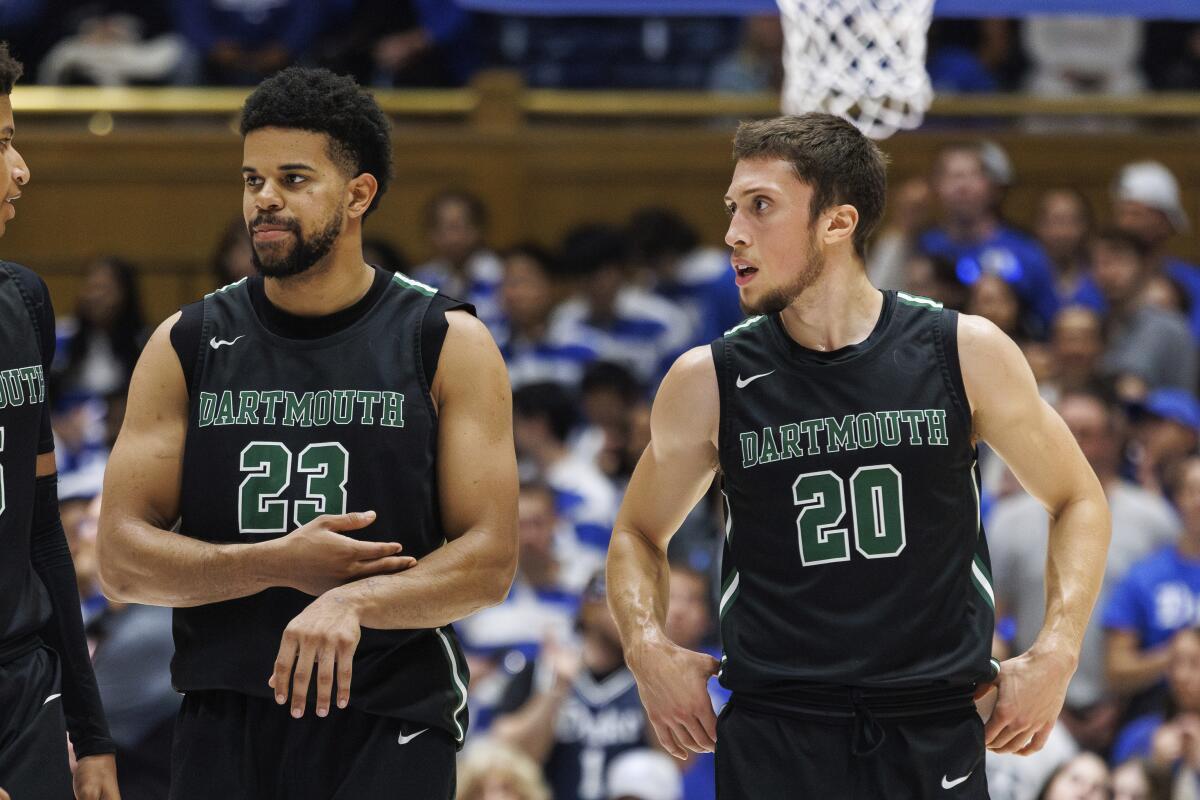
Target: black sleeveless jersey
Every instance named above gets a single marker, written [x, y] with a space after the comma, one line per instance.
[854, 553]
[24, 602]
[282, 430]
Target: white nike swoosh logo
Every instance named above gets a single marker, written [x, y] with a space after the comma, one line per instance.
[214, 342]
[950, 784]
[742, 384]
[52, 697]
[402, 739]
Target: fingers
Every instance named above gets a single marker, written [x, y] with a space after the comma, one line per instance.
[325, 667]
[283, 667]
[667, 738]
[1038, 741]
[301, 677]
[346, 522]
[694, 737]
[345, 669]
[370, 551]
[385, 566]
[709, 722]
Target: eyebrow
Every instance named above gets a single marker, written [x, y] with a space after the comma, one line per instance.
[751, 190]
[285, 168]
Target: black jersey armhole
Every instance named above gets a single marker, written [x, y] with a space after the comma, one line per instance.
[187, 337]
[948, 347]
[434, 327]
[720, 355]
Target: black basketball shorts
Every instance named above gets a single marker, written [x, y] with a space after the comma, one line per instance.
[764, 756]
[235, 747]
[33, 730]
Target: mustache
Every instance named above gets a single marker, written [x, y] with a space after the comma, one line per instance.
[267, 219]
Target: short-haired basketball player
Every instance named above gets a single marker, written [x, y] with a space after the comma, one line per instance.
[314, 429]
[46, 682]
[856, 606]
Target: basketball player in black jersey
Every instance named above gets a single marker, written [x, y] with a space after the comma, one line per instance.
[335, 442]
[856, 604]
[46, 682]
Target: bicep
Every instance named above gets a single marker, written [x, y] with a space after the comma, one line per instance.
[680, 462]
[143, 473]
[477, 463]
[1009, 414]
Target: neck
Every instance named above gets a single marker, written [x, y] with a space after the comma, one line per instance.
[338, 281]
[840, 309]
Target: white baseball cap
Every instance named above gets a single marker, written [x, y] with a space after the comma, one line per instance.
[645, 774]
[1152, 184]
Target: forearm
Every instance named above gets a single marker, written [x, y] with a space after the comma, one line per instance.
[1075, 561]
[141, 563]
[638, 587]
[63, 632]
[531, 727]
[471, 572]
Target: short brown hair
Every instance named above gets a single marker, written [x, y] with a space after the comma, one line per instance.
[10, 70]
[831, 155]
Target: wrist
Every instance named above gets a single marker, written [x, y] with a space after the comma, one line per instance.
[643, 645]
[264, 563]
[347, 599]
[1057, 648]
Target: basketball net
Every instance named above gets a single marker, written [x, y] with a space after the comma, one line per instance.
[863, 60]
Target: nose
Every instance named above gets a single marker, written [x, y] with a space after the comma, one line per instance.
[736, 236]
[21, 173]
[268, 199]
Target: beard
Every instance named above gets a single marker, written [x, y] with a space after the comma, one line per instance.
[777, 299]
[302, 256]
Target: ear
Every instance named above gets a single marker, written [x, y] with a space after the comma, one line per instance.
[840, 225]
[360, 191]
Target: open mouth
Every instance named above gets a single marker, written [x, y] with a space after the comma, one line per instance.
[744, 273]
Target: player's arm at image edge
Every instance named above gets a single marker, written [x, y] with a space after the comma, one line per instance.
[672, 475]
[1032, 439]
[141, 560]
[477, 490]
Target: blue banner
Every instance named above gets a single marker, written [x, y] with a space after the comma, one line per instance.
[1146, 9]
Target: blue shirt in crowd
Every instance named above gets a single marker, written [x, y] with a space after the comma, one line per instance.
[1187, 275]
[1159, 596]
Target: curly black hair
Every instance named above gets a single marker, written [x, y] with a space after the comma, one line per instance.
[10, 70]
[317, 100]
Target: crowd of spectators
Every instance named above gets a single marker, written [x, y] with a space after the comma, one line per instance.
[1106, 316]
[400, 43]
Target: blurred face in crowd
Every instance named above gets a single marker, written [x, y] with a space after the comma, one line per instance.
[776, 254]
[1183, 670]
[526, 294]
[1085, 777]
[1077, 343]
[992, 297]
[101, 298]
[1129, 782]
[1062, 224]
[497, 785]
[1091, 423]
[1165, 439]
[1146, 223]
[454, 235]
[1187, 494]
[536, 520]
[1117, 271]
[294, 199]
[601, 640]
[1162, 292]
[688, 618]
[15, 171]
[962, 186]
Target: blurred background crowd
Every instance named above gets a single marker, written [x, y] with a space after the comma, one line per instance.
[437, 43]
[1106, 314]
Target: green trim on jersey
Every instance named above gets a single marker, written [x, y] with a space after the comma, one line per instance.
[916, 301]
[983, 582]
[729, 593]
[409, 283]
[745, 325]
[459, 685]
[995, 668]
[226, 287]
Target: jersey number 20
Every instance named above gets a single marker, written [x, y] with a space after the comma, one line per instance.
[876, 503]
[260, 508]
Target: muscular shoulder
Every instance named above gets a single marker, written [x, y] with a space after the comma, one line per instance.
[469, 358]
[993, 367]
[687, 407]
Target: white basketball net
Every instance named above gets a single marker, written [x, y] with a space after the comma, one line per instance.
[859, 59]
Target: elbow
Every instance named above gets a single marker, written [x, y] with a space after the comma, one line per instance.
[115, 581]
[114, 586]
[496, 583]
